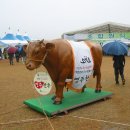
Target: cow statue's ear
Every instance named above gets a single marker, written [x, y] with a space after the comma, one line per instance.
[50, 46]
[41, 42]
[24, 48]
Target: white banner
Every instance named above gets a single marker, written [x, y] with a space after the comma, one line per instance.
[83, 63]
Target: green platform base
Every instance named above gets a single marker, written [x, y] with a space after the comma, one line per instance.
[71, 100]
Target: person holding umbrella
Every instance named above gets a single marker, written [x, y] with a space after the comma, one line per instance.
[11, 51]
[119, 63]
[118, 49]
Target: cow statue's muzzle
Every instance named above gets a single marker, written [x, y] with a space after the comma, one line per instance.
[32, 64]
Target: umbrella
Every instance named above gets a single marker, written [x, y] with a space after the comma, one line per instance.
[12, 49]
[115, 48]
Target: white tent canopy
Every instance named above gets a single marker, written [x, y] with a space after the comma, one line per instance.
[26, 37]
[21, 39]
[107, 27]
[10, 39]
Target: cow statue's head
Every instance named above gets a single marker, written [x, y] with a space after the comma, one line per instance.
[36, 52]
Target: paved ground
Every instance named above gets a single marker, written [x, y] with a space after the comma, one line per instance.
[16, 86]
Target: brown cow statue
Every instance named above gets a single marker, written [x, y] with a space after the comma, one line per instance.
[58, 58]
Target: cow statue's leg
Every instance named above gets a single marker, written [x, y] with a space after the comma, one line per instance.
[60, 86]
[97, 73]
[97, 55]
[59, 93]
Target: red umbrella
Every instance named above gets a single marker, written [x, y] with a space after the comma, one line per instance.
[11, 49]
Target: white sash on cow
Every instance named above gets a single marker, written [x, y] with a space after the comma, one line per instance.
[83, 64]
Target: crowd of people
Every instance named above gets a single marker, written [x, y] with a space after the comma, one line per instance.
[18, 54]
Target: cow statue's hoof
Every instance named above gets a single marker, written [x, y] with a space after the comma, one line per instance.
[54, 97]
[57, 101]
[97, 91]
[83, 89]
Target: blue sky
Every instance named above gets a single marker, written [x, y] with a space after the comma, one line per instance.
[49, 19]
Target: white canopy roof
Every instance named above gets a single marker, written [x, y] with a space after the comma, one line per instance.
[107, 27]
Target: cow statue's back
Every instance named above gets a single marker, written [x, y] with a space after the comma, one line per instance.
[58, 58]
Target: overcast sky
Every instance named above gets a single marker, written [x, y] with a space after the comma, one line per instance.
[49, 19]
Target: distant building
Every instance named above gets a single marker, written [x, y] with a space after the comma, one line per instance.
[101, 33]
